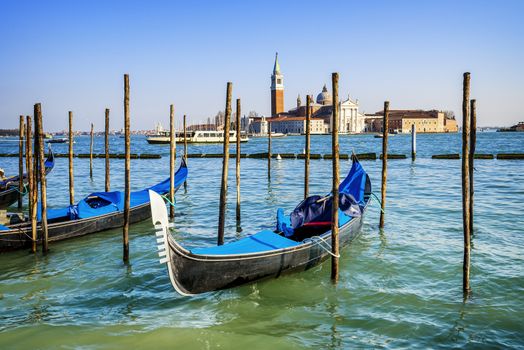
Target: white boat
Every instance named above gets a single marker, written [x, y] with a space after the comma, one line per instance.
[198, 136]
[273, 134]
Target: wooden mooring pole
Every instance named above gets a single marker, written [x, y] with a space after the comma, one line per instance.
[413, 142]
[21, 162]
[473, 141]
[225, 164]
[185, 149]
[71, 173]
[465, 184]
[308, 146]
[385, 132]
[106, 146]
[172, 151]
[336, 180]
[43, 181]
[269, 150]
[91, 153]
[127, 194]
[31, 181]
[237, 161]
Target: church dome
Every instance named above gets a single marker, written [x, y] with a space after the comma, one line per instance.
[324, 98]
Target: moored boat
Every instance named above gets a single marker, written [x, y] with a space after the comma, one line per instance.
[299, 242]
[97, 212]
[9, 187]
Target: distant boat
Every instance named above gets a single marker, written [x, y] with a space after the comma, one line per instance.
[57, 140]
[198, 136]
[273, 134]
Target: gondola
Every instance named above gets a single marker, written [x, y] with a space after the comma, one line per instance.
[299, 242]
[97, 212]
[9, 188]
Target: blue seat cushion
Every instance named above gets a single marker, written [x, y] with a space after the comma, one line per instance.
[259, 242]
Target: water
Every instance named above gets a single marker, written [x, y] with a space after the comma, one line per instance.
[398, 288]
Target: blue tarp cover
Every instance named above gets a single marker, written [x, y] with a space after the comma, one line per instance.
[100, 203]
[259, 242]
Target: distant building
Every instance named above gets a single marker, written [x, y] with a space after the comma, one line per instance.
[296, 125]
[293, 121]
[431, 121]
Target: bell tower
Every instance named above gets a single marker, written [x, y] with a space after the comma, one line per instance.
[277, 89]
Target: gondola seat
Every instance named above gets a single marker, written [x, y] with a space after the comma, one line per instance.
[259, 242]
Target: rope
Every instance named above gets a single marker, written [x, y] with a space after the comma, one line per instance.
[26, 191]
[318, 240]
[378, 200]
[167, 199]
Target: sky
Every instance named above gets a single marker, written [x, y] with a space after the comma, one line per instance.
[72, 55]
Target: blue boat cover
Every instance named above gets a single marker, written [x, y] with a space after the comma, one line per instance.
[352, 189]
[100, 203]
[259, 242]
[3, 228]
[355, 183]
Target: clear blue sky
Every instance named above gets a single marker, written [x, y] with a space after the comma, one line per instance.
[71, 55]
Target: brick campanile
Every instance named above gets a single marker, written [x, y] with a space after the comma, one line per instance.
[277, 89]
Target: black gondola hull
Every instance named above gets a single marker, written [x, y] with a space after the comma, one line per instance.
[194, 274]
[8, 197]
[20, 236]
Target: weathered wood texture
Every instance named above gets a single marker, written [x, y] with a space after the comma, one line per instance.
[308, 146]
[336, 180]
[384, 161]
[31, 182]
[225, 164]
[91, 152]
[269, 150]
[106, 148]
[465, 184]
[127, 192]
[42, 176]
[172, 151]
[71, 171]
[20, 162]
[413, 142]
[473, 141]
[185, 148]
[237, 160]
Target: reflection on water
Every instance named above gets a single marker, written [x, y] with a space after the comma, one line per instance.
[399, 287]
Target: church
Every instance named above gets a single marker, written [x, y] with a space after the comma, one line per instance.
[294, 120]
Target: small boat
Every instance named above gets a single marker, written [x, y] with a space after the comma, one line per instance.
[97, 212]
[57, 140]
[300, 241]
[9, 187]
[198, 136]
[273, 134]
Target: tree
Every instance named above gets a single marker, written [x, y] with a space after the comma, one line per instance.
[449, 114]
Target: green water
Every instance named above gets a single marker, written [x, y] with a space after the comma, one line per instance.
[399, 288]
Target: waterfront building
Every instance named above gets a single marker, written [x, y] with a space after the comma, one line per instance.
[293, 121]
[400, 121]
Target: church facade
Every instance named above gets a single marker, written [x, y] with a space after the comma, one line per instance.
[351, 120]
